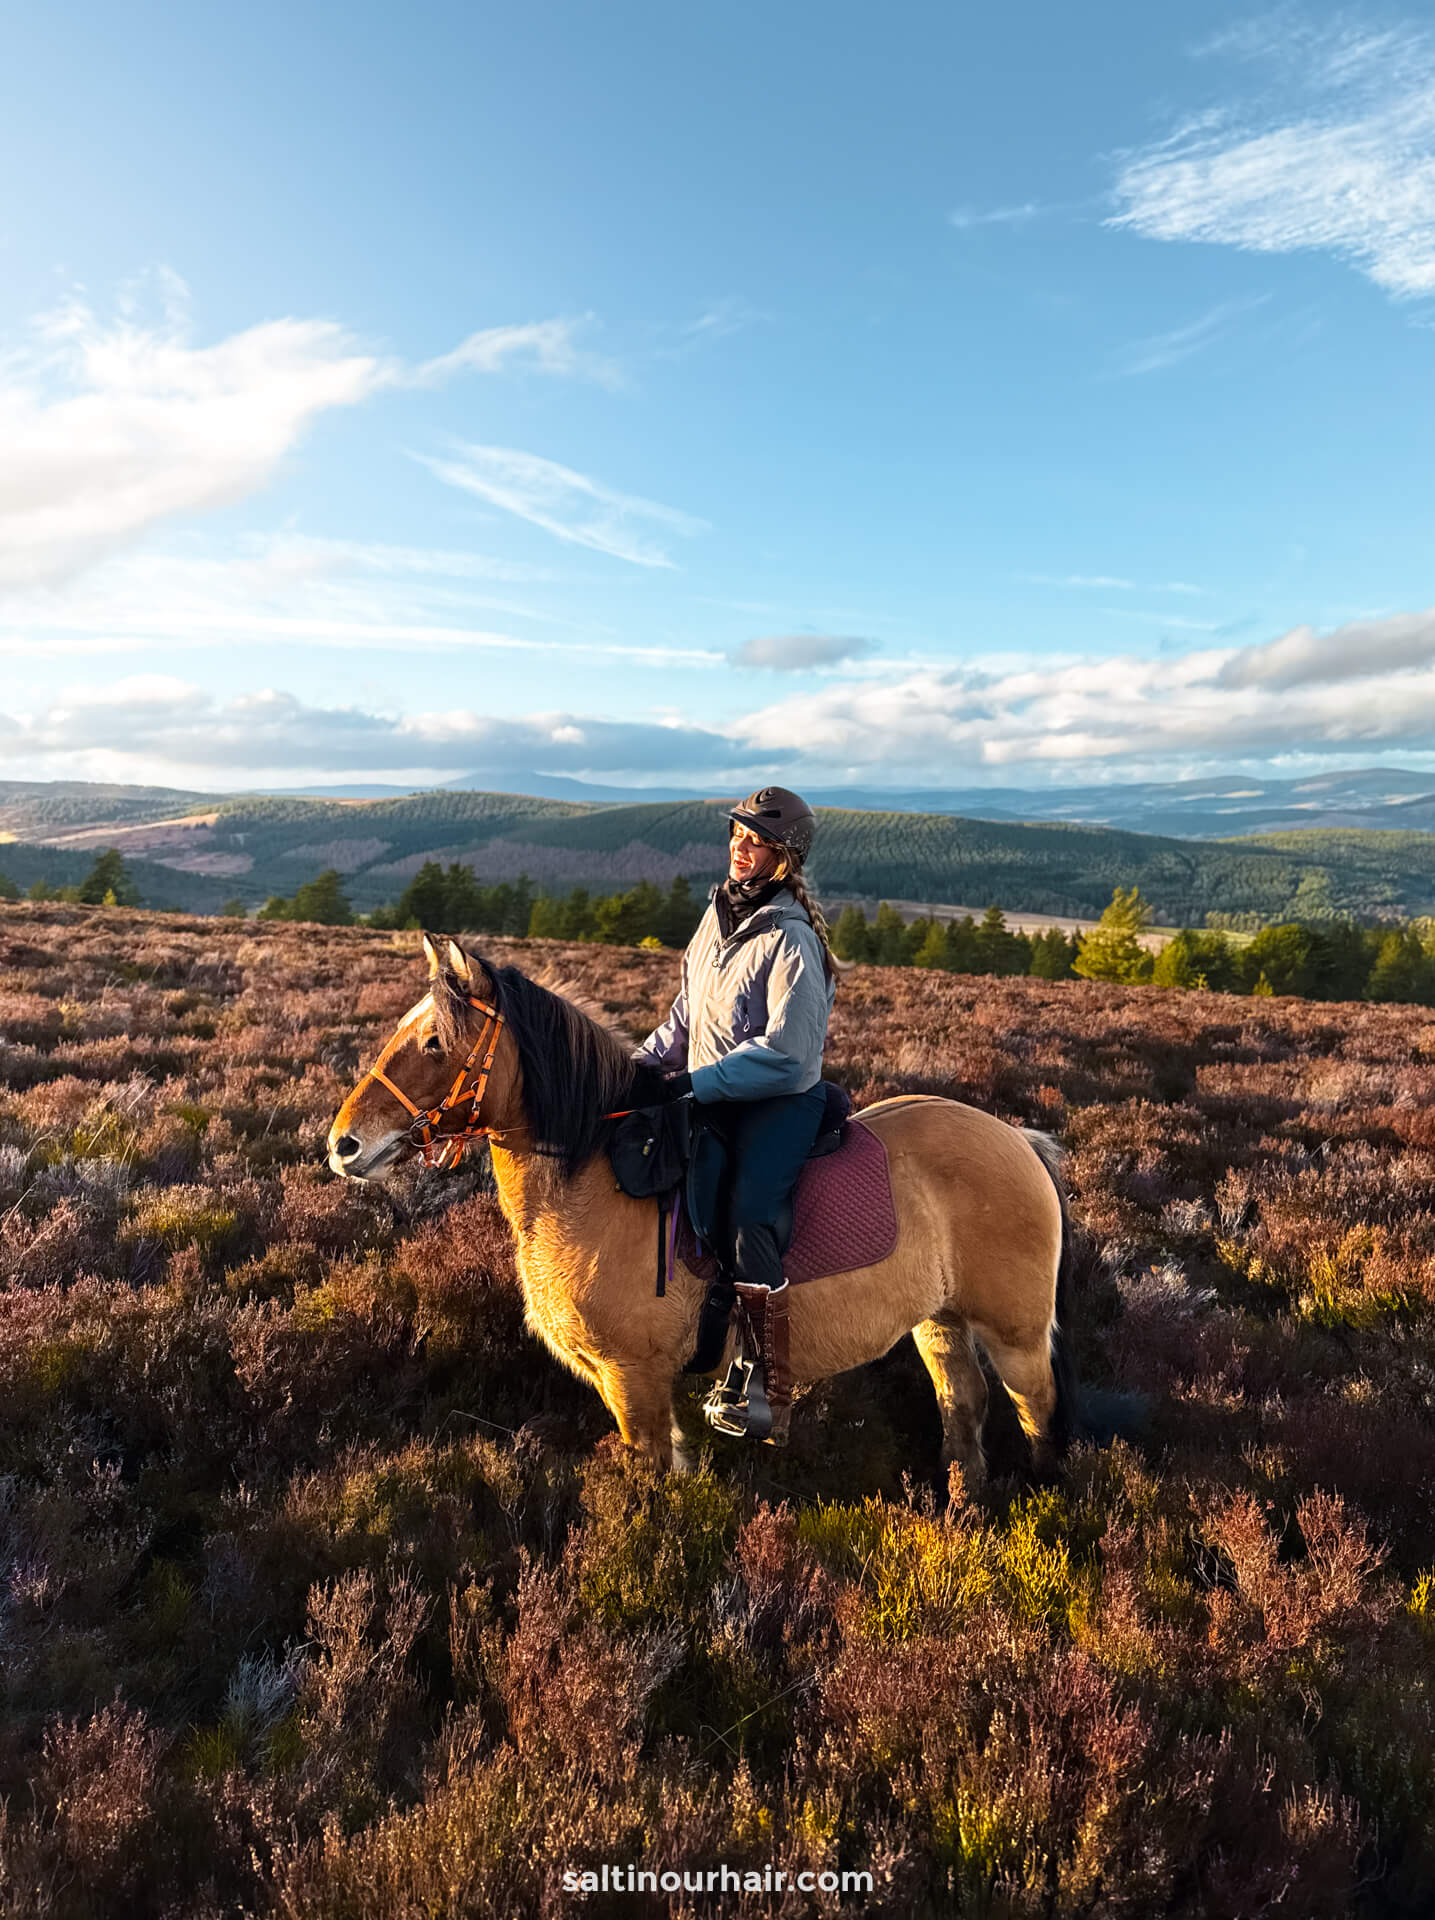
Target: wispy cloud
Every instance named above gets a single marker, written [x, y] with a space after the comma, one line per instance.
[566, 504]
[732, 314]
[796, 652]
[540, 346]
[113, 426]
[964, 218]
[1107, 582]
[1161, 350]
[1157, 617]
[297, 591]
[1339, 157]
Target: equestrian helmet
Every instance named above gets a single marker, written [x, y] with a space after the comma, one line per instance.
[778, 814]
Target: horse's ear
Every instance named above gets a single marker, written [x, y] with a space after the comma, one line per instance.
[460, 963]
[431, 954]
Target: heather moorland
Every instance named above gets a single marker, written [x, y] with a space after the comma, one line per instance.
[327, 1593]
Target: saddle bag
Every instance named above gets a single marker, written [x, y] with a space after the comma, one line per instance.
[649, 1149]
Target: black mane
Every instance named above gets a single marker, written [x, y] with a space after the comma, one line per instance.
[575, 1072]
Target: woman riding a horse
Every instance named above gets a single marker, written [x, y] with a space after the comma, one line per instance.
[744, 1041]
[979, 1255]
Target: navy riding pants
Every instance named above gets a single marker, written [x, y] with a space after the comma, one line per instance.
[765, 1143]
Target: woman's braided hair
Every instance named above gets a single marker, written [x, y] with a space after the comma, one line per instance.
[789, 871]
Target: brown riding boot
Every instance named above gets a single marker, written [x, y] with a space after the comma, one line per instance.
[757, 1397]
[776, 1369]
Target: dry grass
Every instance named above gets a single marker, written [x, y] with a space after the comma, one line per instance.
[326, 1593]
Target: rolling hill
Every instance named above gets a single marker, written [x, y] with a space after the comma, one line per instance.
[252, 847]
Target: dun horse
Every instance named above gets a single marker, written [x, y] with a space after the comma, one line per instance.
[982, 1251]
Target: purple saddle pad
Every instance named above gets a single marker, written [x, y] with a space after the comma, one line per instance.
[843, 1216]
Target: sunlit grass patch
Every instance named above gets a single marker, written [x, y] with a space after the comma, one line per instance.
[983, 1840]
[353, 1289]
[1338, 1290]
[184, 1219]
[1037, 1575]
[103, 1135]
[1421, 1603]
[917, 1574]
[652, 1547]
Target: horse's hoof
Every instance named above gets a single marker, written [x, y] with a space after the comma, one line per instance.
[685, 1459]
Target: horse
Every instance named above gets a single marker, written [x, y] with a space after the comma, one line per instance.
[983, 1252]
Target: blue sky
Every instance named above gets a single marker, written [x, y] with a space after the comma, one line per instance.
[645, 395]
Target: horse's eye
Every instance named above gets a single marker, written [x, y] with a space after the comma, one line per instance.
[433, 1044]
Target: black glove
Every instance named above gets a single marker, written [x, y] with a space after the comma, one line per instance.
[675, 1086]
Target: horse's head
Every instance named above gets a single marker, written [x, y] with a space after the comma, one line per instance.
[448, 1068]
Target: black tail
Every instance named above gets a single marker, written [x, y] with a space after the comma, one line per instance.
[1082, 1413]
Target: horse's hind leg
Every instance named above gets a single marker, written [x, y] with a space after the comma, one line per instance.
[1026, 1373]
[951, 1359]
[641, 1401]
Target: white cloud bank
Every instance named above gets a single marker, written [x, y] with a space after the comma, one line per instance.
[1338, 158]
[156, 720]
[110, 427]
[1367, 689]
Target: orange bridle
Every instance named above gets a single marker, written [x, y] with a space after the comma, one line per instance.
[447, 1151]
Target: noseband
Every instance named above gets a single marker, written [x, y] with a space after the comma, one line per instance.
[446, 1151]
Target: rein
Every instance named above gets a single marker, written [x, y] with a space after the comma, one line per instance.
[447, 1150]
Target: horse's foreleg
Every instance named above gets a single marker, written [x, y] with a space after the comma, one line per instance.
[1026, 1373]
[640, 1399]
[949, 1356]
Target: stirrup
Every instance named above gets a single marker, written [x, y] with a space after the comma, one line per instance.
[739, 1406]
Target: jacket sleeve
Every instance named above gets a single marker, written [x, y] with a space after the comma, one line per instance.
[798, 1005]
[667, 1045]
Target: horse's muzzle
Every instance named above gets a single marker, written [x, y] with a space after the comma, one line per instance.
[349, 1157]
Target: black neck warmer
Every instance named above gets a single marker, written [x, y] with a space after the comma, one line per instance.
[739, 898]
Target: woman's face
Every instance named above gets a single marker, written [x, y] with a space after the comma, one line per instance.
[749, 856]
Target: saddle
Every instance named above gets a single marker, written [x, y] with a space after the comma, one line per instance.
[839, 1217]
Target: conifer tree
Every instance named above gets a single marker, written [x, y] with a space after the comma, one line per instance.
[108, 877]
[1113, 950]
[322, 901]
[933, 950]
[851, 937]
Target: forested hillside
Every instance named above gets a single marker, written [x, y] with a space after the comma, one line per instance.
[252, 848]
[33, 807]
[1050, 868]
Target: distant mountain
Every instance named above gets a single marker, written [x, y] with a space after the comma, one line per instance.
[353, 790]
[1211, 809]
[557, 786]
